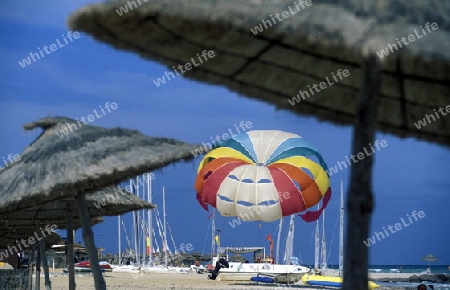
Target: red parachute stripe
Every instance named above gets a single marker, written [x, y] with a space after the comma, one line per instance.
[310, 191]
[211, 167]
[291, 200]
[212, 184]
[312, 216]
[199, 199]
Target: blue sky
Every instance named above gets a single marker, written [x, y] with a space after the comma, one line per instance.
[76, 79]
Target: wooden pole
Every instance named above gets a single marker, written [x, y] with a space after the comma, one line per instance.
[88, 237]
[70, 255]
[37, 283]
[30, 271]
[360, 199]
[48, 283]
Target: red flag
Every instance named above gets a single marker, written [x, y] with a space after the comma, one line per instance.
[269, 238]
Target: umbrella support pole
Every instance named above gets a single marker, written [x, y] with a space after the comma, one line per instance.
[48, 283]
[70, 261]
[360, 199]
[88, 237]
[37, 283]
[30, 271]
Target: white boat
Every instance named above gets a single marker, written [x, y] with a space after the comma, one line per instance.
[280, 273]
[125, 269]
[200, 269]
[290, 271]
[165, 269]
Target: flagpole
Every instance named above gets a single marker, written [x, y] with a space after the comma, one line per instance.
[259, 234]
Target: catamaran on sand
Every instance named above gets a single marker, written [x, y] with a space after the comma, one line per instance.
[241, 271]
[279, 273]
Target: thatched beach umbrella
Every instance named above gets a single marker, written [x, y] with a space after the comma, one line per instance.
[303, 49]
[87, 159]
[35, 239]
[295, 60]
[9, 239]
[70, 159]
[12, 232]
[17, 235]
[110, 201]
[429, 258]
[62, 213]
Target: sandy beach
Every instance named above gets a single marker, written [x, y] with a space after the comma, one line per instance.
[188, 281]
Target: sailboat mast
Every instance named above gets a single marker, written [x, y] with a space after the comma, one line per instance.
[277, 252]
[134, 224]
[120, 243]
[289, 249]
[142, 227]
[213, 238]
[149, 218]
[316, 246]
[164, 229]
[341, 230]
[324, 244]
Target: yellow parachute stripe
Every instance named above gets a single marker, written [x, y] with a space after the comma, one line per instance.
[223, 152]
[320, 175]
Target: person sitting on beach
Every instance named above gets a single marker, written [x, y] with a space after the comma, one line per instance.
[222, 263]
[425, 287]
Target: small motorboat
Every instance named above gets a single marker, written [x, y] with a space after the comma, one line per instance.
[104, 266]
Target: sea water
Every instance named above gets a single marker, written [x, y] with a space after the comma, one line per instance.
[415, 269]
[413, 285]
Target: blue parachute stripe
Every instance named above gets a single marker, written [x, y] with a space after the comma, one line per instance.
[224, 198]
[241, 143]
[300, 152]
[291, 143]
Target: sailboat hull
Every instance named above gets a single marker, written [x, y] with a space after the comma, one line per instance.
[165, 270]
[245, 271]
[125, 269]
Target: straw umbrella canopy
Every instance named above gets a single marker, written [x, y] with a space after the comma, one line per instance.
[305, 50]
[11, 239]
[70, 159]
[429, 258]
[63, 213]
[110, 201]
[298, 51]
[86, 160]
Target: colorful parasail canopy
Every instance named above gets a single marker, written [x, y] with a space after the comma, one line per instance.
[264, 175]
